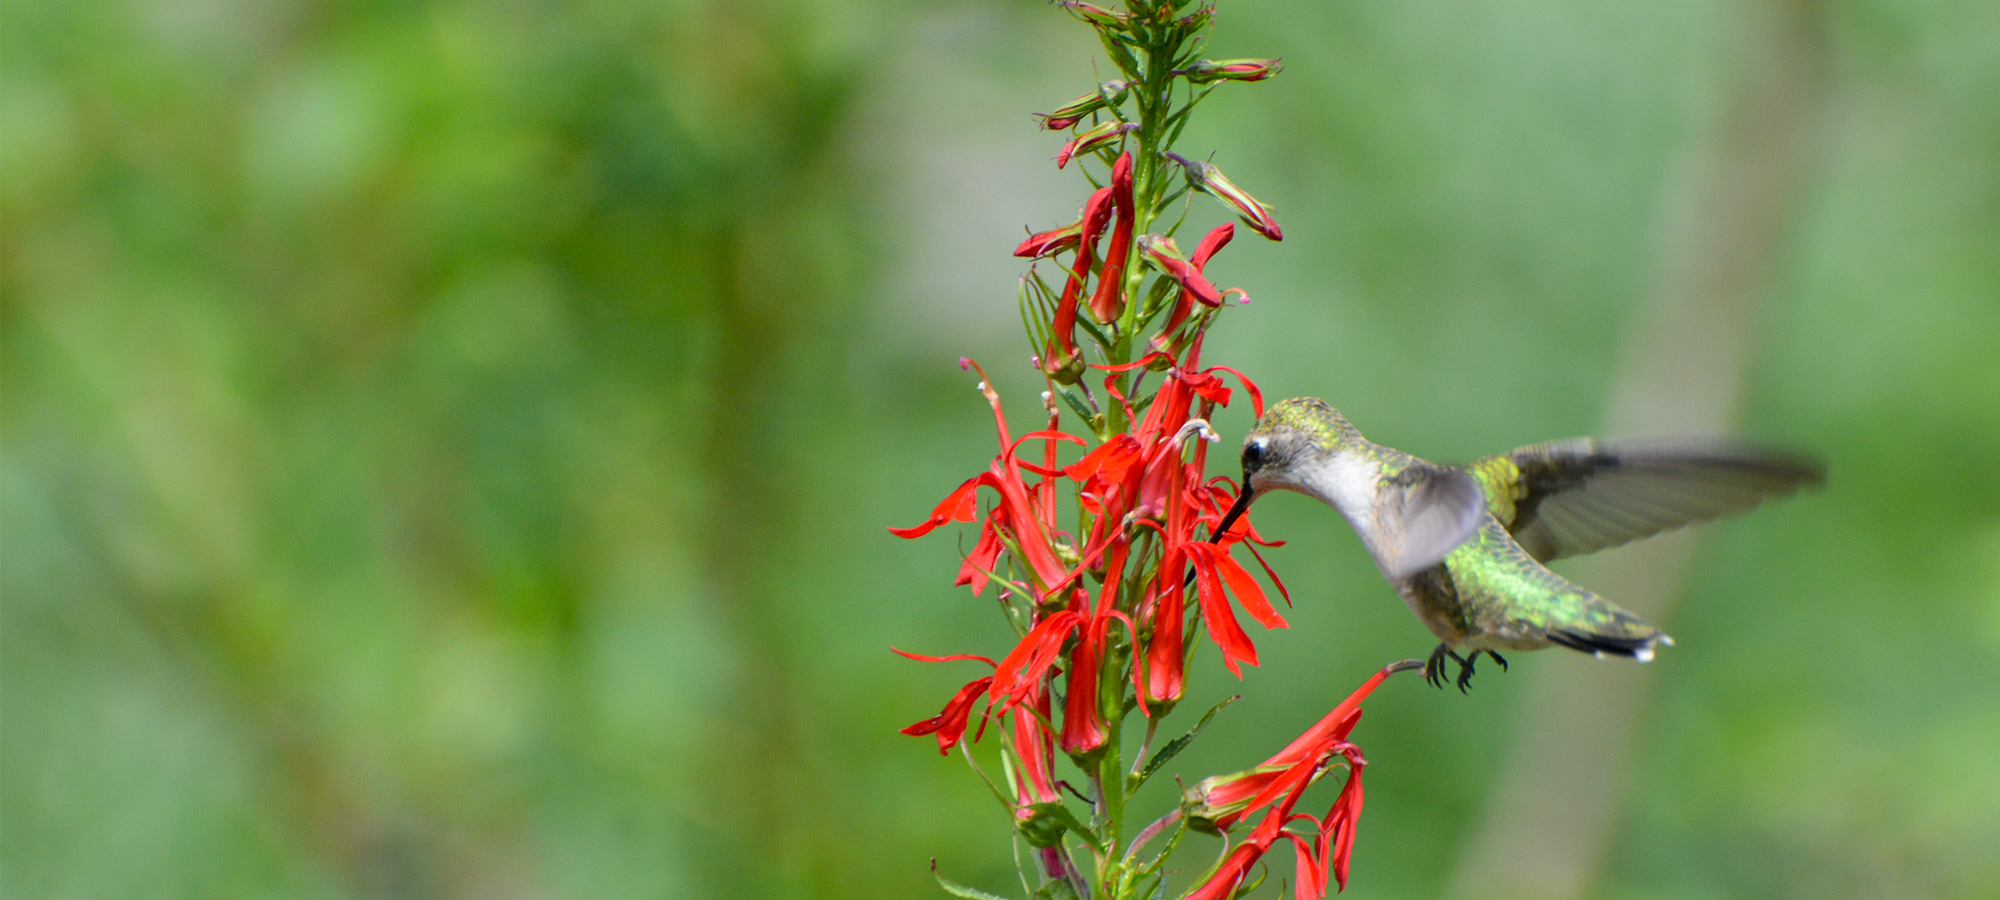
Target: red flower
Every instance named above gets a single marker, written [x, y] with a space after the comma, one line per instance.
[1084, 730]
[1034, 748]
[1166, 649]
[1228, 876]
[1064, 362]
[1222, 802]
[1109, 300]
[1217, 238]
[1167, 258]
[1018, 517]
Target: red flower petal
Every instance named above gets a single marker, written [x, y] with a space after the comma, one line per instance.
[1256, 396]
[1247, 591]
[955, 657]
[961, 506]
[949, 725]
[1034, 655]
[1222, 626]
[980, 560]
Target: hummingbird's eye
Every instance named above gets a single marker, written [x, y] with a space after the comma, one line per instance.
[1253, 454]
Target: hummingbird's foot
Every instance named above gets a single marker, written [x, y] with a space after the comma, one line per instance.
[1434, 667]
[1465, 667]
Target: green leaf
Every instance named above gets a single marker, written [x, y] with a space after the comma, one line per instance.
[1075, 401]
[1174, 747]
[958, 890]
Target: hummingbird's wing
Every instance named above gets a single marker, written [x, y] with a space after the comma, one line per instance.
[1435, 509]
[1567, 498]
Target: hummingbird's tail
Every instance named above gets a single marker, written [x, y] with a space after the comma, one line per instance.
[1600, 644]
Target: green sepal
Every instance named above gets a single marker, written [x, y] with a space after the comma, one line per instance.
[1048, 820]
[1058, 889]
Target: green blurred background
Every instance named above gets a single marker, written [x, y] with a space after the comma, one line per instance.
[447, 445]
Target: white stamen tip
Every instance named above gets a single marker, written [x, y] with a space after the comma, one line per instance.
[981, 387]
[1197, 427]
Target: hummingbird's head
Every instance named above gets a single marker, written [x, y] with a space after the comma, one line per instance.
[1290, 438]
[1289, 441]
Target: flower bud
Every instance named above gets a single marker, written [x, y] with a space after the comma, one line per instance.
[1084, 730]
[1203, 71]
[1110, 93]
[1161, 252]
[1095, 15]
[1050, 243]
[1090, 140]
[1205, 177]
[1109, 298]
[1166, 651]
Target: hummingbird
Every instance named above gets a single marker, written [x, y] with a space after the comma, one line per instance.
[1465, 546]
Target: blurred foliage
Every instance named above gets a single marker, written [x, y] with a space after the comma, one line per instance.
[446, 445]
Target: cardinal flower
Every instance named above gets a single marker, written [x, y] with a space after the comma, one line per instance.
[1109, 299]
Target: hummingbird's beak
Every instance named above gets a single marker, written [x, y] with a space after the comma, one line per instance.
[1235, 512]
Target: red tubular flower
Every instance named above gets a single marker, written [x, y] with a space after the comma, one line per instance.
[1017, 518]
[1206, 70]
[1166, 650]
[1217, 238]
[1208, 179]
[1034, 748]
[1099, 136]
[1166, 257]
[1223, 800]
[1109, 300]
[1022, 669]
[1063, 362]
[1084, 730]
[1334, 846]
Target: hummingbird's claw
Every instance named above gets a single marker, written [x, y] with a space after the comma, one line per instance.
[1499, 659]
[1434, 667]
[1465, 671]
